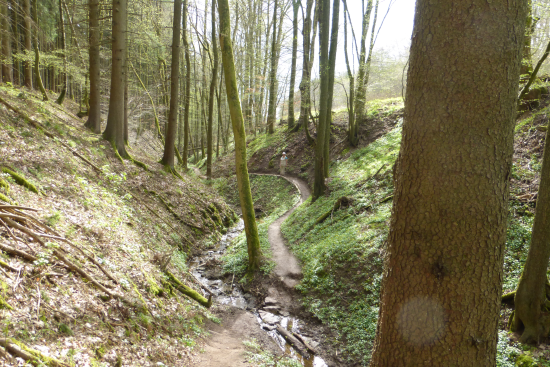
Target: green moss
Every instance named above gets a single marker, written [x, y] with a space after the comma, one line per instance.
[20, 180]
[5, 198]
[64, 329]
[39, 358]
[5, 185]
[526, 360]
[4, 304]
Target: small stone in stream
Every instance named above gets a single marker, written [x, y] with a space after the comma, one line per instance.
[284, 313]
[269, 327]
[270, 301]
[247, 295]
[272, 309]
[251, 302]
[269, 318]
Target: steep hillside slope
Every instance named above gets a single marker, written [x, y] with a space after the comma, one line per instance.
[125, 227]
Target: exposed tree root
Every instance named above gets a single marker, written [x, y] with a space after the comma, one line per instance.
[18, 349]
[176, 283]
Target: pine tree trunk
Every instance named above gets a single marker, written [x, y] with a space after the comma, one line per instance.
[443, 270]
[37, 55]
[94, 112]
[61, 97]
[245, 195]
[114, 131]
[7, 72]
[171, 131]
[27, 67]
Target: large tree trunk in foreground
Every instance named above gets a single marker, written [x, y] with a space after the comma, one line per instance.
[243, 182]
[443, 272]
[170, 140]
[114, 131]
[94, 112]
[531, 293]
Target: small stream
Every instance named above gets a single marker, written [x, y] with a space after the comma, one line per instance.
[231, 294]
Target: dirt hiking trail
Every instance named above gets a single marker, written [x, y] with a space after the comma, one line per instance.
[224, 347]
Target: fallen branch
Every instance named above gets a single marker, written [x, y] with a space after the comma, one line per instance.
[292, 340]
[15, 252]
[18, 349]
[188, 291]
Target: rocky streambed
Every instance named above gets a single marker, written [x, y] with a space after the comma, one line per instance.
[272, 314]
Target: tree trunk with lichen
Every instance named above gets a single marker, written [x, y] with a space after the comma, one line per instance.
[243, 182]
[443, 270]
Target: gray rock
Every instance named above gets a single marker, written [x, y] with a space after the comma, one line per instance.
[270, 301]
[272, 309]
[269, 318]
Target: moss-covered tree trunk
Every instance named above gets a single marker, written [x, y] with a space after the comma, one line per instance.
[443, 270]
[114, 131]
[171, 131]
[531, 293]
[245, 195]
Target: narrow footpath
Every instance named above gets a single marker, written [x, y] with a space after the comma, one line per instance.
[225, 348]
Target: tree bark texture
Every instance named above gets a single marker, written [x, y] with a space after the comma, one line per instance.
[7, 71]
[114, 131]
[243, 182]
[443, 271]
[171, 131]
[61, 97]
[531, 293]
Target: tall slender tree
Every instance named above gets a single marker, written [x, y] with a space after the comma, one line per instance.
[443, 268]
[27, 30]
[171, 131]
[64, 75]
[243, 182]
[94, 112]
[272, 109]
[187, 87]
[213, 82]
[295, 8]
